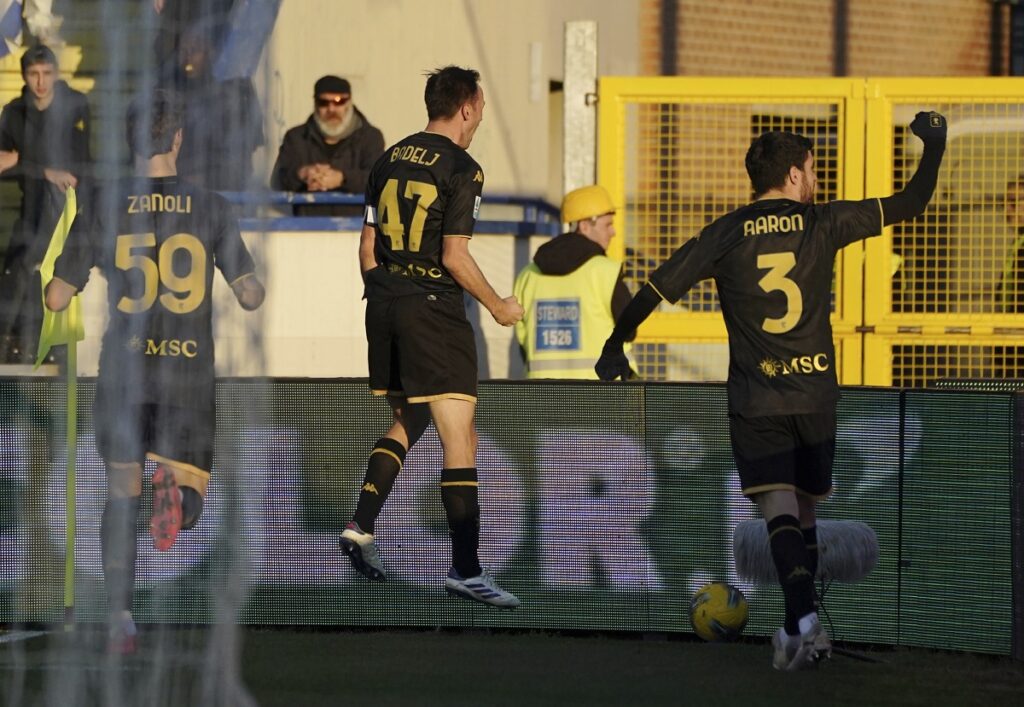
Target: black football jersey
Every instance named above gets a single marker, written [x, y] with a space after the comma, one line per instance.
[419, 192]
[157, 242]
[772, 262]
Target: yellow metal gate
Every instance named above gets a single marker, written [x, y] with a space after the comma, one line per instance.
[941, 296]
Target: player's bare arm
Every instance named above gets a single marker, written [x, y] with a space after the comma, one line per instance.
[8, 158]
[62, 179]
[367, 259]
[458, 261]
[58, 294]
[249, 291]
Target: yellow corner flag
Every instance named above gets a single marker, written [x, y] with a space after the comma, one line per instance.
[59, 327]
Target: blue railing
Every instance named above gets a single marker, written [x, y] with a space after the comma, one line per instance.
[539, 217]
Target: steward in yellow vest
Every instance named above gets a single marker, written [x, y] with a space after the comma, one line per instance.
[572, 292]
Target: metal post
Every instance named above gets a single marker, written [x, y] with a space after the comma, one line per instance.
[995, 43]
[1016, 39]
[840, 36]
[669, 37]
[579, 126]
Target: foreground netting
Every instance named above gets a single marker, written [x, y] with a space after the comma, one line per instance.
[116, 51]
[604, 507]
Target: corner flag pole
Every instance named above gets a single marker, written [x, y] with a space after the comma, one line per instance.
[69, 519]
[65, 328]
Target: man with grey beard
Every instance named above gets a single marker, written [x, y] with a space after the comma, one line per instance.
[332, 151]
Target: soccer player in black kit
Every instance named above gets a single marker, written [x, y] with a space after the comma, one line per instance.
[772, 262]
[422, 201]
[157, 241]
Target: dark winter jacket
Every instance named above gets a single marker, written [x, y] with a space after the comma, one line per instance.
[353, 155]
[223, 126]
[55, 138]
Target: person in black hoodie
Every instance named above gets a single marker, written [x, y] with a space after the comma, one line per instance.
[223, 119]
[572, 292]
[44, 145]
[333, 150]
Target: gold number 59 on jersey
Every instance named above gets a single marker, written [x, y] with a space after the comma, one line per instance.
[187, 291]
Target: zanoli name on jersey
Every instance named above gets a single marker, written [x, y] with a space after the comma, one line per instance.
[157, 242]
[421, 191]
[772, 262]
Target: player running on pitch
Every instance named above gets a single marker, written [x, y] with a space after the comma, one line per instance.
[157, 241]
[772, 262]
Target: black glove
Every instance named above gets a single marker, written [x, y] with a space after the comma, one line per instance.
[929, 126]
[613, 362]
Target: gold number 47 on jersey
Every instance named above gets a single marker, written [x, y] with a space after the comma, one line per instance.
[391, 217]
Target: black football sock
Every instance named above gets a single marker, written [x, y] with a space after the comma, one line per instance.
[459, 495]
[119, 549]
[791, 563]
[382, 469]
[191, 507]
[811, 543]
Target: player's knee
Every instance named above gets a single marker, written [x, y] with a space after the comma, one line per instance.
[124, 480]
[808, 510]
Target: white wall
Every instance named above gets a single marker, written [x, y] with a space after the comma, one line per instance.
[311, 323]
[384, 47]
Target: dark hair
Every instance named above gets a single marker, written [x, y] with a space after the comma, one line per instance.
[771, 155]
[448, 89]
[39, 54]
[152, 121]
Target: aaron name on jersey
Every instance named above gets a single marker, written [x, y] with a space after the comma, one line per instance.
[773, 224]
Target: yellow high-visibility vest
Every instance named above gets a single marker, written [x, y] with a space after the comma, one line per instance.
[568, 318]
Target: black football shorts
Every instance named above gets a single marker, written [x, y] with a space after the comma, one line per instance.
[785, 452]
[130, 432]
[421, 347]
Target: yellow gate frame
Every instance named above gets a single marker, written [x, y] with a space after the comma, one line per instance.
[865, 326]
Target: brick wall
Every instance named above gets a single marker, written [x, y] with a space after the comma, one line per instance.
[795, 37]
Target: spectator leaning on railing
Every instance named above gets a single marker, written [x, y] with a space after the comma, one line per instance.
[44, 145]
[332, 151]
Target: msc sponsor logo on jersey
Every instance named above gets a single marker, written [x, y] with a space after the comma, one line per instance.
[414, 270]
[165, 347]
[476, 208]
[166, 203]
[816, 363]
[773, 224]
[417, 155]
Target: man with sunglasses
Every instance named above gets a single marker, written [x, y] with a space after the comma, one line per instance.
[332, 151]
